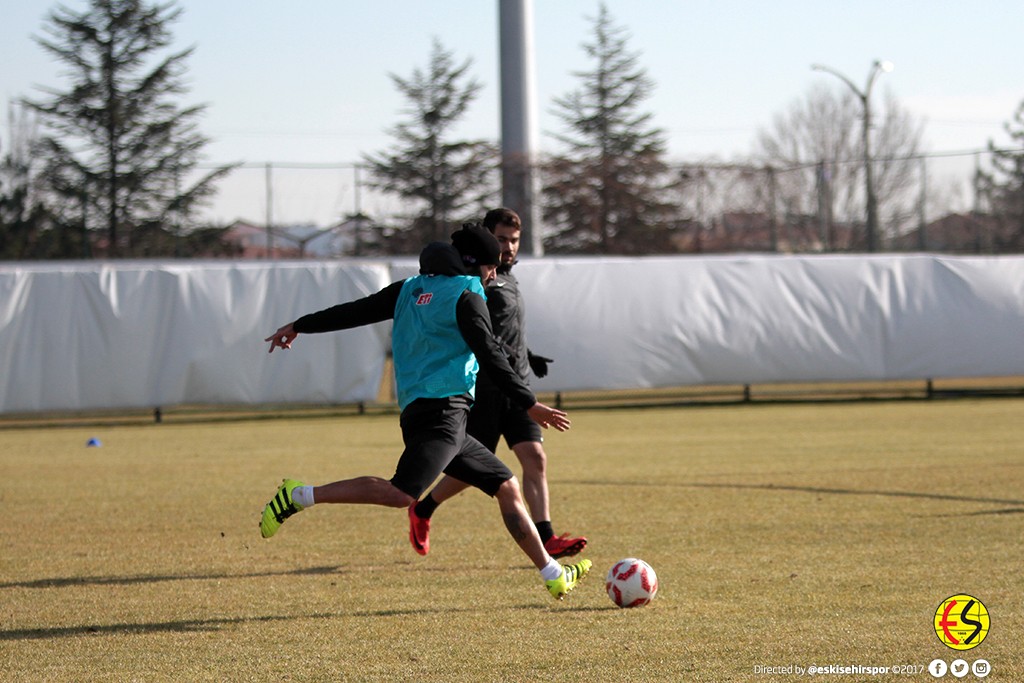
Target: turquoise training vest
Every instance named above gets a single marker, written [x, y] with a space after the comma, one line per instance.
[431, 358]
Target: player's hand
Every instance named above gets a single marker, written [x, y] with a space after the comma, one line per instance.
[283, 338]
[547, 416]
[539, 364]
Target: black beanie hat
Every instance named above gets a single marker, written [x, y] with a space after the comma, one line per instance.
[477, 246]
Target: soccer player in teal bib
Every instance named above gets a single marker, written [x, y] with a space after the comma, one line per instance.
[493, 415]
[441, 336]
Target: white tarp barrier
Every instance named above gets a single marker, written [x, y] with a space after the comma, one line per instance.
[134, 334]
[630, 323]
[145, 334]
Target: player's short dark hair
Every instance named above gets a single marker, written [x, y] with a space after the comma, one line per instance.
[502, 216]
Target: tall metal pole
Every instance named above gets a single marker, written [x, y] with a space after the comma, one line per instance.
[773, 218]
[518, 119]
[865, 100]
[922, 216]
[358, 218]
[824, 207]
[270, 209]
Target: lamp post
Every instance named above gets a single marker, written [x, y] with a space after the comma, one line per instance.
[864, 95]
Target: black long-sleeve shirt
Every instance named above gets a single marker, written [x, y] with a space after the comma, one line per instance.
[505, 306]
[471, 315]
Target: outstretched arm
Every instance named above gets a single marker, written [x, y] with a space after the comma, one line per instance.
[366, 311]
[475, 326]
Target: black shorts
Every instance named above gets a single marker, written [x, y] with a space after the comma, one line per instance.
[493, 416]
[434, 431]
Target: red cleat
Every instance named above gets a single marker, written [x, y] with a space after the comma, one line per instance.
[419, 531]
[564, 546]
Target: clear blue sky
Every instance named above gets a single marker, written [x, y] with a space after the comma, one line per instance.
[307, 81]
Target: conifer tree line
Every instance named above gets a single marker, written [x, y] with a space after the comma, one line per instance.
[109, 163]
[108, 167]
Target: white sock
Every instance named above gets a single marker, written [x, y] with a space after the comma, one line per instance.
[551, 571]
[303, 496]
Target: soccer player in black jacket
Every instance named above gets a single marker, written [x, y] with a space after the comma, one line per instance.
[441, 331]
[493, 414]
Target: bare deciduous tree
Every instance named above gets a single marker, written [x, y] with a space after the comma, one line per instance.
[816, 147]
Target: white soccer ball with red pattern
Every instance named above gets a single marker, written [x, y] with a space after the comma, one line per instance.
[631, 583]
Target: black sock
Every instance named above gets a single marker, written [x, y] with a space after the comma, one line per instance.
[543, 528]
[425, 508]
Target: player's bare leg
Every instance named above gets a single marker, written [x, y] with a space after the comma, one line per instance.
[448, 487]
[363, 490]
[558, 579]
[534, 461]
[294, 496]
[518, 523]
[535, 479]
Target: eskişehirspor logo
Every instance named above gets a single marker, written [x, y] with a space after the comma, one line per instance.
[961, 622]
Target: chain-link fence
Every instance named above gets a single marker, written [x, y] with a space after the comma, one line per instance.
[926, 202]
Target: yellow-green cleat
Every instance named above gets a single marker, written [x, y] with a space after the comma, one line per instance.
[572, 574]
[280, 508]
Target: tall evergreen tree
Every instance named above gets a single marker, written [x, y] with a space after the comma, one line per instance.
[447, 179]
[1004, 187]
[607, 192]
[119, 147]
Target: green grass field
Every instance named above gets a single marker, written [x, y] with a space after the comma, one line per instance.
[810, 534]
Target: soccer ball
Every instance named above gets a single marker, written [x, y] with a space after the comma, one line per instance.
[631, 583]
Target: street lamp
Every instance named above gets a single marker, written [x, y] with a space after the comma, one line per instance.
[864, 95]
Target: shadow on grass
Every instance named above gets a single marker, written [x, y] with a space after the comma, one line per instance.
[183, 626]
[819, 491]
[985, 513]
[137, 579]
[64, 582]
[207, 625]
